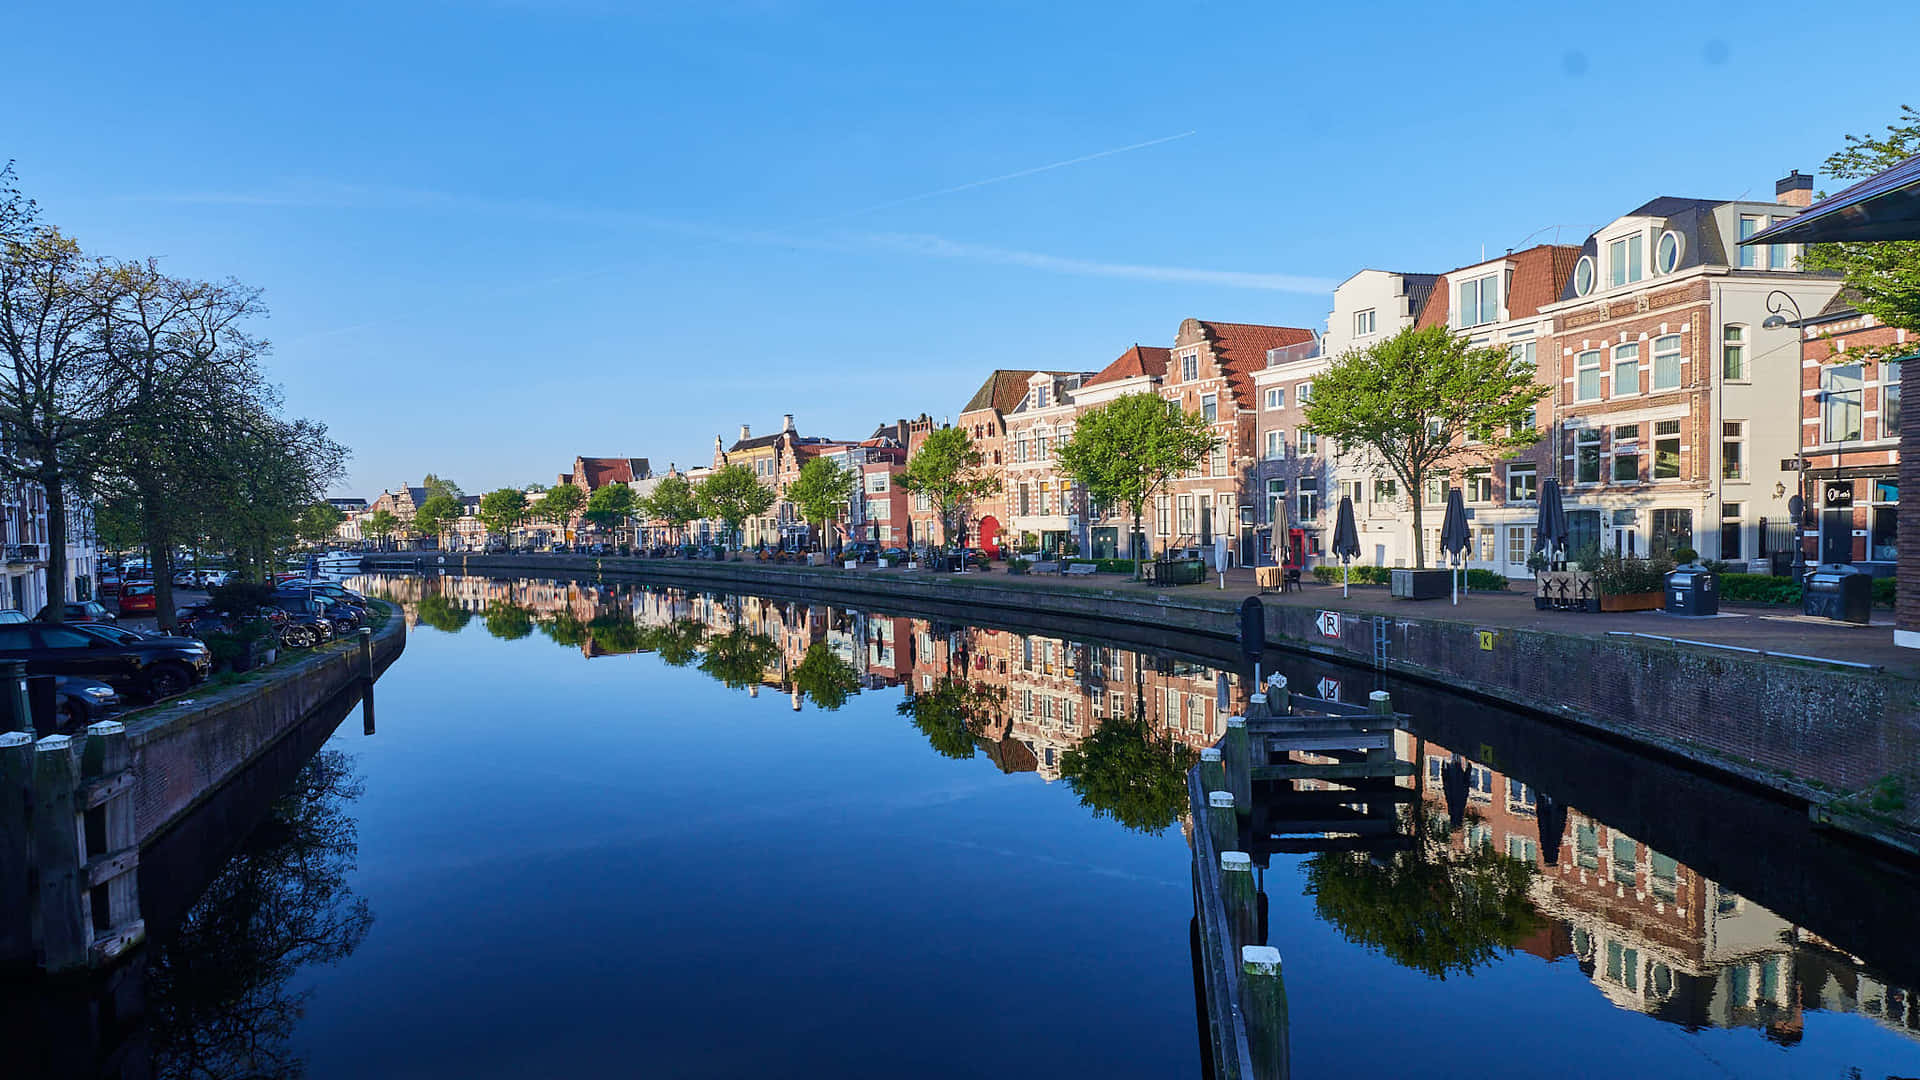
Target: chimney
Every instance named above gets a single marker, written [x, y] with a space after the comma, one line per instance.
[1794, 189]
[786, 423]
[745, 433]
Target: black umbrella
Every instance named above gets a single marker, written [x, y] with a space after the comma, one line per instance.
[1552, 819]
[1453, 784]
[1550, 531]
[1346, 540]
[1454, 535]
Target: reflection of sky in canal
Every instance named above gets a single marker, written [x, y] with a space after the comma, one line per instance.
[619, 866]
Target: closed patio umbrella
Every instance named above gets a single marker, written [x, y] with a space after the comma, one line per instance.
[1346, 540]
[1454, 536]
[1550, 530]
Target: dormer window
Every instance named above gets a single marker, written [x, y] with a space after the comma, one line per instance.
[1480, 300]
[1666, 256]
[1626, 260]
[1039, 397]
[1190, 367]
[1364, 322]
[1583, 276]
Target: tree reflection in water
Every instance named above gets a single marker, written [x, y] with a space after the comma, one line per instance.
[566, 630]
[615, 633]
[441, 613]
[954, 714]
[739, 658]
[218, 999]
[1125, 772]
[508, 622]
[824, 677]
[1435, 909]
[678, 643]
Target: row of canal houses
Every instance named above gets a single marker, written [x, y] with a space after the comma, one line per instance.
[1652, 934]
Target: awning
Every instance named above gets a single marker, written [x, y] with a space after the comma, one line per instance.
[1885, 206]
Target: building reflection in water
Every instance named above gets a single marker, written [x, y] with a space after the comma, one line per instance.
[1652, 934]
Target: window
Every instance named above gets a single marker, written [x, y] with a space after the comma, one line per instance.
[1210, 407]
[1217, 462]
[1586, 453]
[877, 484]
[1840, 402]
[1776, 253]
[1479, 485]
[1672, 530]
[1480, 301]
[1883, 539]
[1890, 399]
[1583, 276]
[1750, 256]
[1528, 420]
[1486, 544]
[1386, 489]
[1437, 488]
[1308, 501]
[1356, 490]
[1523, 482]
[1363, 322]
[1523, 354]
[1046, 497]
[1733, 352]
[1276, 445]
[1666, 362]
[1730, 514]
[1666, 450]
[1160, 522]
[1309, 442]
[1733, 450]
[1666, 257]
[61, 637]
[1624, 861]
[1587, 376]
[1276, 397]
[1303, 393]
[1626, 454]
[1276, 500]
[1519, 544]
[1026, 500]
[1626, 369]
[1190, 367]
[1624, 261]
[1039, 397]
[1185, 505]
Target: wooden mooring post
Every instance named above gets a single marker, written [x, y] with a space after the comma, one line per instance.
[1222, 822]
[19, 705]
[1213, 775]
[1243, 899]
[83, 850]
[16, 851]
[1264, 997]
[1235, 756]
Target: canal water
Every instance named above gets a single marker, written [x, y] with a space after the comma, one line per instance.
[610, 830]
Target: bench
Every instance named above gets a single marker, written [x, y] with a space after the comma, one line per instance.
[1080, 568]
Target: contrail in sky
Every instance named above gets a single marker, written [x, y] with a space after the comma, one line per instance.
[1010, 176]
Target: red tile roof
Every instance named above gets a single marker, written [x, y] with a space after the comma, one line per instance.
[1003, 390]
[1135, 362]
[1539, 273]
[1241, 350]
[599, 472]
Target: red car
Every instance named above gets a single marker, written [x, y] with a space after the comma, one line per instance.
[136, 598]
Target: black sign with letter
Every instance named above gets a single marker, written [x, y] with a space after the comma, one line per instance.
[1837, 493]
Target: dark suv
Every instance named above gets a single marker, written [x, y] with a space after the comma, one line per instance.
[80, 611]
[152, 667]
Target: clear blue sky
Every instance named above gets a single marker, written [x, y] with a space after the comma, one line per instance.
[495, 235]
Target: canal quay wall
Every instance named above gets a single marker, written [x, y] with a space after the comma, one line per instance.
[1821, 733]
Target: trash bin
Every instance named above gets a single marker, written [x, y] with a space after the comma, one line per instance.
[1693, 590]
[1838, 591]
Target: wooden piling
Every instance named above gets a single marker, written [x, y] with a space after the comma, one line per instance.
[1264, 1003]
[1279, 698]
[1257, 705]
[1380, 702]
[366, 652]
[1235, 754]
[64, 929]
[1213, 776]
[16, 851]
[1222, 822]
[112, 851]
[19, 706]
[1236, 888]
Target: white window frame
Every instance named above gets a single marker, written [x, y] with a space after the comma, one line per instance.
[1733, 343]
[1733, 436]
[1581, 369]
[1666, 347]
[1276, 397]
[1365, 322]
[1624, 353]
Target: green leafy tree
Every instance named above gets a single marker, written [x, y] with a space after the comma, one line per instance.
[381, 524]
[609, 507]
[504, 510]
[954, 714]
[731, 495]
[317, 522]
[508, 622]
[437, 485]
[824, 677]
[436, 515]
[566, 630]
[559, 505]
[440, 612]
[673, 501]
[678, 643]
[1885, 274]
[615, 634]
[1411, 401]
[1435, 909]
[821, 491]
[739, 658]
[1125, 451]
[1125, 772]
[952, 473]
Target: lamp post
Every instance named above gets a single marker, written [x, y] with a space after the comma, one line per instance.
[1778, 301]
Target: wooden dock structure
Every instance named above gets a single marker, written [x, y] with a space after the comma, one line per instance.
[1295, 774]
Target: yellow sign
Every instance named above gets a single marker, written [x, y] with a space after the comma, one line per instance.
[1486, 640]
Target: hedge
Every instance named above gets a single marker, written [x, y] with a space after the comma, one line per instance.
[1479, 580]
[1767, 589]
[1108, 566]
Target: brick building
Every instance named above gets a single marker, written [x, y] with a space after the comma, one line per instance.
[1850, 366]
[776, 460]
[1139, 370]
[984, 419]
[1043, 504]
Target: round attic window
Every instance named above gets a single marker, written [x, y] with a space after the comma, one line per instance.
[1667, 256]
[1583, 276]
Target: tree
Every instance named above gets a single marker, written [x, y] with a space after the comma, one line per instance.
[951, 472]
[437, 485]
[732, 494]
[609, 507]
[381, 524]
[1125, 451]
[739, 658]
[507, 621]
[820, 492]
[678, 643]
[1126, 772]
[1412, 399]
[954, 714]
[272, 469]
[673, 501]
[559, 505]
[437, 515]
[825, 677]
[504, 510]
[1885, 274]
[317, 522]
[440, 612]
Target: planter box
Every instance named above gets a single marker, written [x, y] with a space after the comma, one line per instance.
[881, 563]
[1645, 601]
[817, 559]
[1409, 584]
[850, 564]
[1567, 590]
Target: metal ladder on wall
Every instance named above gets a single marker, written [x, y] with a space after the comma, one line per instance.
[1380, 642]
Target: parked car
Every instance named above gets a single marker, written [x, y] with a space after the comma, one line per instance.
[119, 635]
[10, 616]
[136, 598]
[860, 551]
[152, 668]
[109, 584]
[82, 701]
[189, 579]
[330, 589]
[80, 611]
[895, 555]
[214, 579]
[328, 619]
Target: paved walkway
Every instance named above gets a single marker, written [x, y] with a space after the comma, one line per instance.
[1770, 628]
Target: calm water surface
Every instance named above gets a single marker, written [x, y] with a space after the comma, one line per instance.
[600, 832]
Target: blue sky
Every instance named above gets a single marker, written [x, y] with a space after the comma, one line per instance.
[496, 235]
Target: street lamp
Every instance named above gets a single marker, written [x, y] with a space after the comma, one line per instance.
[1777, 300]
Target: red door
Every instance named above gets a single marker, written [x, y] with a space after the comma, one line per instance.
[990, 535]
